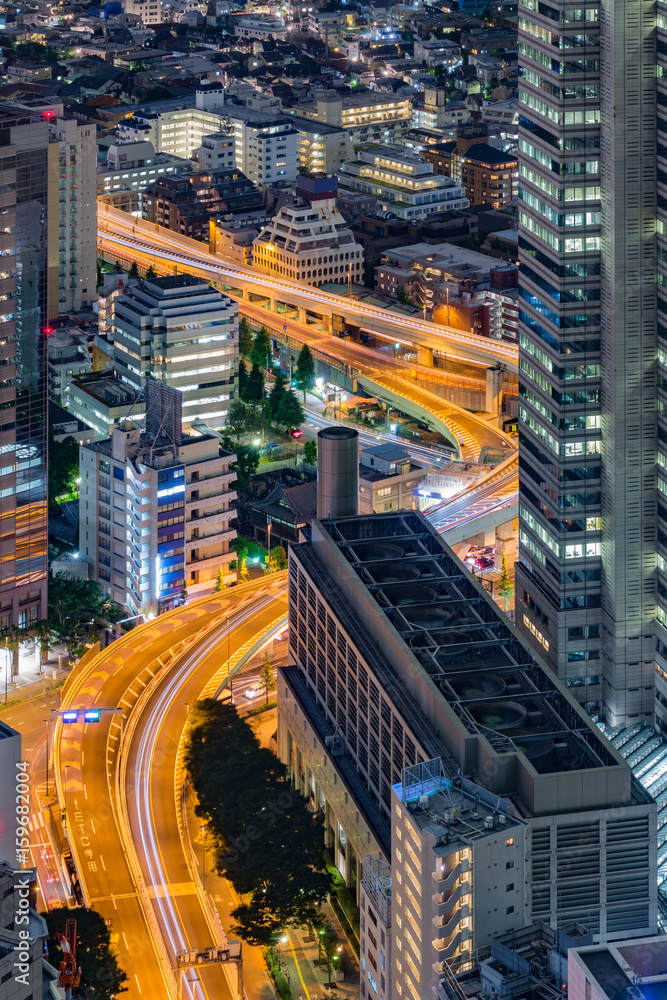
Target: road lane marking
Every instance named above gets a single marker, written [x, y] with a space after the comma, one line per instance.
[93, 826]
[84, 790]
[137, 981]
[125, 940]
[103, 865]
[113, 901]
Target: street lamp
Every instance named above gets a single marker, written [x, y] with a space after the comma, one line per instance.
[203, 856]
[268, 541]
[397, 347]
[46, 723]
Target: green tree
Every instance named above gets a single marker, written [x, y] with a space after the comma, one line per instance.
[151, 273]
[77, 608]
[305, 370]
[504, 586]
[243, 381]
[310, 452]
[45, 635]
[243, 572]
[134, 270]
[278, 557]
[266, 679]
[220, 581]
[276, 394]
[239, 546]
[261, 348]
[101, 976]
[268, 843]
[63, 471]
[246, 464]
[100, 274]
[245, 337]
[184, 593]
[237, 417]
[255, 387]
[290, 412]
[119, 267]
[330, 949]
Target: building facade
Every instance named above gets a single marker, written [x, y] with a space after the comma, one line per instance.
[402, 183]
[310, 240]
[72, 216]
[589, 574]
[502, 801]
[183, 332]
[24, 148]
[156, 517]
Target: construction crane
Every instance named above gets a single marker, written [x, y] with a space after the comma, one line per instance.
[70, 975]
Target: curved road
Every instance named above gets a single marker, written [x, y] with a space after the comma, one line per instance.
[84, 763]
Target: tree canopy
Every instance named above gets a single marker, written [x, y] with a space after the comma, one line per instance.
[101, 976]
[243, 381]
[261, 348]
[63, 467]
[305, 370]
[236, 419]
[255, 387]
[245, 337]
[267, 842]
[79, 609]
[277, 392]
[290, 411]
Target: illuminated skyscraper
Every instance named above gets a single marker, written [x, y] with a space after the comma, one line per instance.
[589, 578]
[23, 389]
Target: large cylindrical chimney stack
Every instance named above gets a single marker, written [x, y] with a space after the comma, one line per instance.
[337, 472]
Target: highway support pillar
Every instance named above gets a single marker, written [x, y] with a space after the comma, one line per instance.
[505, 542]
[425, 356]
[494, 389]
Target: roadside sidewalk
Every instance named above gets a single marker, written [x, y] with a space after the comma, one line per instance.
[33, 678]
[308, 981]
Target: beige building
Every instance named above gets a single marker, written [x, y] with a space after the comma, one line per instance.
[232, 240]
[367, 117]
[310, 240]
[388, 479]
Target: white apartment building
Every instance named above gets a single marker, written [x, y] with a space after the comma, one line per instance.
[266, 147]
[183, 332]
[402, 182]
[72, 229]
[217, 151]
[437, 52]
[68, 357]
[368, 117]
[260, 26]
[265, 143]
[104, 402]
[310, 241]
[436, 113]
[134, 165]
[155, 516]
[150, 11]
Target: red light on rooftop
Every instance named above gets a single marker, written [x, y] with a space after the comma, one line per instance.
[48, 330]
[48, 114]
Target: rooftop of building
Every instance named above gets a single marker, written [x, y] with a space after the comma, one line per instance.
[476, 661]
[441, 256]
[606, 965]
[482, 152]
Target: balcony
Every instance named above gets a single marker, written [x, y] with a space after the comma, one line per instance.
[445, 948]
[213, 562]
[221, 480]
[444, 901]
[206, 502]
[446, 926]
[224, 535]
[446, 880]
[212, 519]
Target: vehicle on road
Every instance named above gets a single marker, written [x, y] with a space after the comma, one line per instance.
[296, 432]
[254, 690]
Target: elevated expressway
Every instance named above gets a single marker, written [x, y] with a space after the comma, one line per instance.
[135, 239]
[119, 782]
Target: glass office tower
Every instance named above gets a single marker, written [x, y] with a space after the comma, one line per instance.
[591, 521]
[24, 144]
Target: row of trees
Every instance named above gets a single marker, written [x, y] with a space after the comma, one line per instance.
[256, 348]
[78, 610]
[266, 842]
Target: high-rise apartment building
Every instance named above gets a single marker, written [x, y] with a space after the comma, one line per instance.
[72, 225]
[425, 733]
[183, 332]
[24, 172]
[156, 515]
[589, 578]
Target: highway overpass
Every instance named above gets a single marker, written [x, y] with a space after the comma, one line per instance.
[130, 238]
